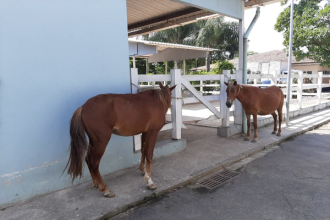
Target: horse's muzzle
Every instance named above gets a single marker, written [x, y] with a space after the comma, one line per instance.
[228, 104]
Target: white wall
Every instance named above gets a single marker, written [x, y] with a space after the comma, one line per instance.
[54, 55]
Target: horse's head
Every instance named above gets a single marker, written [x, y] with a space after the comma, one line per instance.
[166, 88]
[232, 92]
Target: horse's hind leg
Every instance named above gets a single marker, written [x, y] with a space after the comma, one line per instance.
[150, 145]
[279, 111]
[89, 164]
[94, 157]
[275, 122]
[143, 153]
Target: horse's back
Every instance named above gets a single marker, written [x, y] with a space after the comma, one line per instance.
[264, 101]
[126, 114]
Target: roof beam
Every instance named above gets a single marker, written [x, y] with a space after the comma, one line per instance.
[169, 24]
[163, 18]
[260, 2]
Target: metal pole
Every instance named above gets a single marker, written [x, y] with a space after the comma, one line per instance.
[288, 94]
[245, 50]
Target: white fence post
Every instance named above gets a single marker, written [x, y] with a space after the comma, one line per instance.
[176, 104]
[201, 86]
[319, 88]
[238, 116]
[276, 79]
[224, 110]
[134, 87]
[134, 80]
[300, 90]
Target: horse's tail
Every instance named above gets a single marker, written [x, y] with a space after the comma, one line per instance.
[78, 145]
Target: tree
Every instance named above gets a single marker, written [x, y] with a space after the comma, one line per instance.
[251, 53]
[311, 32]
[177, 35]
[219, 34]
[213, 33]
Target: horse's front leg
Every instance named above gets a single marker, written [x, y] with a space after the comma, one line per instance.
[248, 135]
[143, 153]
[150, 145]
[255, 124]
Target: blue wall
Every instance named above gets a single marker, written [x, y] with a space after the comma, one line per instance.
[54, 55]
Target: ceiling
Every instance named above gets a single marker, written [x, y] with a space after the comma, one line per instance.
[147, 16]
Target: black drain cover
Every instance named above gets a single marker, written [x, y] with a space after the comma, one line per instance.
[218, 179]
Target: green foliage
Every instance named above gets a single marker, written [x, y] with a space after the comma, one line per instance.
[251, 53]
[213, 33]
[223, 65]
[311, 32]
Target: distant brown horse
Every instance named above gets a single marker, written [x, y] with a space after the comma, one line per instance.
[255, 102]
[120, 114]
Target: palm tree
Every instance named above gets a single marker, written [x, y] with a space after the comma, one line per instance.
[178, 35]
[211, 33]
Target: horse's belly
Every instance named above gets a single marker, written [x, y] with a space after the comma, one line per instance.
[128, 130]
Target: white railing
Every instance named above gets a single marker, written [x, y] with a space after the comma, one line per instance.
[183, 83]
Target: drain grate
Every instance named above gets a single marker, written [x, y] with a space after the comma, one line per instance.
[218, 179]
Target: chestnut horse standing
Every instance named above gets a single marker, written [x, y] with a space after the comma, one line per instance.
[120, 114]
[255, 102]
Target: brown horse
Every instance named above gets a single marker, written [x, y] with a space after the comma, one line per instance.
[255, 102]
[120, 114]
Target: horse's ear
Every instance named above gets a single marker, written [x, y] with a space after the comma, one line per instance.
[172, 88]
[161, 85]
[235, 83]
[226, 83]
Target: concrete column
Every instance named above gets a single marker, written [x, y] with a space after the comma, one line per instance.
[224, 110]
[184, 67]
[134, 87]
[165, 67]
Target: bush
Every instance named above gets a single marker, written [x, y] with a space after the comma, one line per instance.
[223, 65]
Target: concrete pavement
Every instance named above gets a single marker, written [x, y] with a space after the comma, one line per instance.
[205, 153]
[290, 182]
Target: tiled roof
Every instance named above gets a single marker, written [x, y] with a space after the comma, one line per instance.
[275, 55]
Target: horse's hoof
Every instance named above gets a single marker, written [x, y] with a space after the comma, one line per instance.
[274, 132]
[152, 187]
[278, 134]
[246, 139]
[254, 141]
[109, 194]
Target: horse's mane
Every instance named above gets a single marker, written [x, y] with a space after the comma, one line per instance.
[164, 98]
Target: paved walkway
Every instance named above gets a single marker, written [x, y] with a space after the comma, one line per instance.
[205, 153]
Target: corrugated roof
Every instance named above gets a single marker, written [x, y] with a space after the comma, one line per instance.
[147, 16]
[162, 45]
[143, 10]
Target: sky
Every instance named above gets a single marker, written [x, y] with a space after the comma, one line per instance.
[263, 37]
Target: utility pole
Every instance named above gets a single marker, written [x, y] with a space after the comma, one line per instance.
[288, 94]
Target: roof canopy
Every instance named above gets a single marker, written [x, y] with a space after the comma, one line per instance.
[147, 16]
[160, 52]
